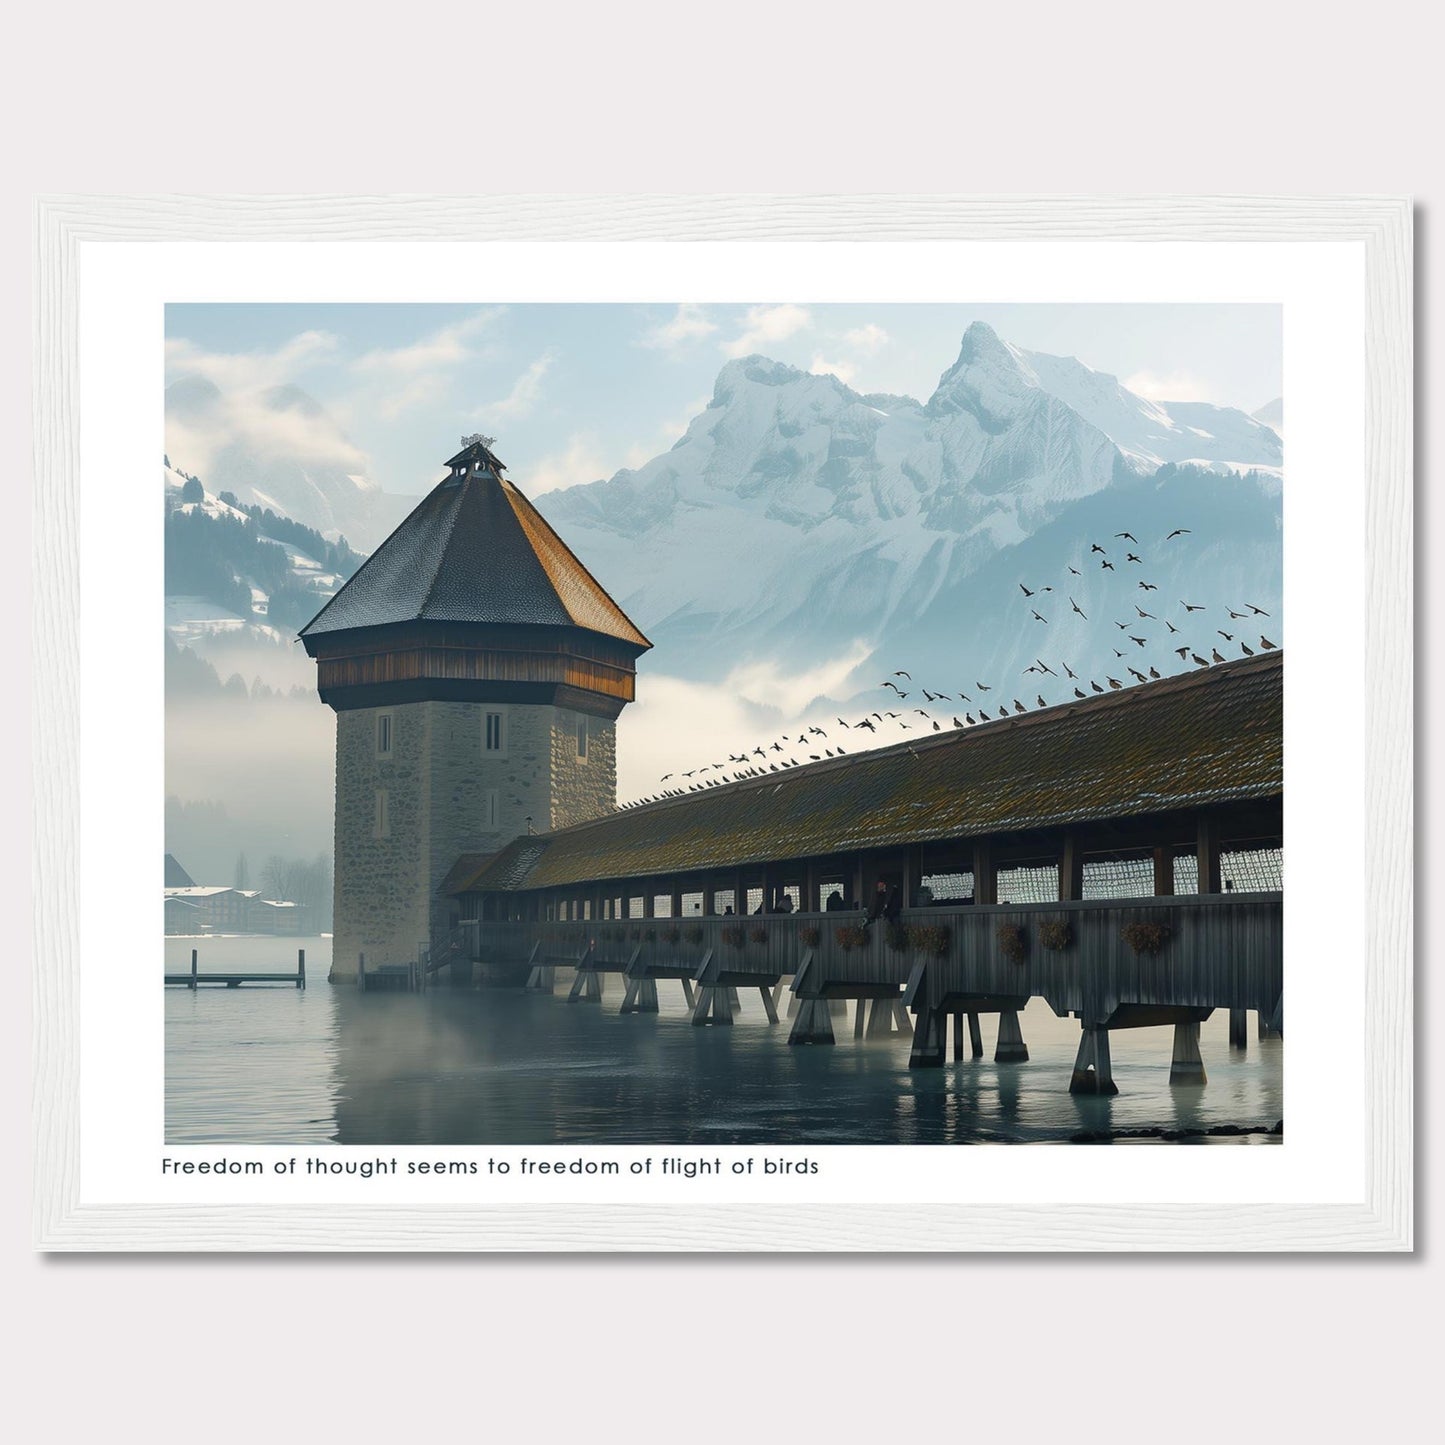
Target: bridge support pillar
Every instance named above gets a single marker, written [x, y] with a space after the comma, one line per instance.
[957, 1037]
[814, 1022]
[884, 1016]
[930, 1041]
[587, 986]
[975, 1037]
[1010, 1048]
[641, 997]
[714, 1005]
[1093, 1072]
[1187, 1068]
[1238, 1028]
[542, 979]
[769, 1007]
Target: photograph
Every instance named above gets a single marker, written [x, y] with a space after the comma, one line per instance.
[771, 722]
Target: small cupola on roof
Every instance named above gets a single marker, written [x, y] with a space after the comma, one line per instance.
[474, 598]
[477, 456]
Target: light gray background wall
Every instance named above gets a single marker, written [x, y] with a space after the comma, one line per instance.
[1049, 97]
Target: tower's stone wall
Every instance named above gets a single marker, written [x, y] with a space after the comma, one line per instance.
[381, 882]
[582, 787]
[441, 784]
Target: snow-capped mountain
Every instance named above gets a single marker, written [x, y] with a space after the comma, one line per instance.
[797, 517]
[279, 449]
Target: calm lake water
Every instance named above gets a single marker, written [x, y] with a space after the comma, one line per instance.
[276, 1065]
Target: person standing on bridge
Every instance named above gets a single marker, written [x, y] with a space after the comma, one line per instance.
[880, 905]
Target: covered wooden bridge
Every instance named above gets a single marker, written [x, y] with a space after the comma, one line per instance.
[1119, 857]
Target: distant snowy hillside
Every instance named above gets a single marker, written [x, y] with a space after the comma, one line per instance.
[281, 450]
[1272, 415]
[240, 580]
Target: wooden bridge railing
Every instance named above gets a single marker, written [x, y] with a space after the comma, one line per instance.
[1211, 951]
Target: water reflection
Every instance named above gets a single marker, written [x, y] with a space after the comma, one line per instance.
[498, 1067]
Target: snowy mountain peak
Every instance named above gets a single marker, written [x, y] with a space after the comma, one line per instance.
[991, 379]
[983, 346]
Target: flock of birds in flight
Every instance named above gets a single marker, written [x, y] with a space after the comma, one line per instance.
[969, 710]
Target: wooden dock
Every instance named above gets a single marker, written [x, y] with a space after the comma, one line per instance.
[195, 978]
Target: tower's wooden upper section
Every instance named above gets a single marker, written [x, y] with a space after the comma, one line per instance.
[474, 597]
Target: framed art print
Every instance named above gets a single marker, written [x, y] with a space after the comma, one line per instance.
[723, 723]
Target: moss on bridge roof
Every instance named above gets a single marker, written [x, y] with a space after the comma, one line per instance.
[1203, 738]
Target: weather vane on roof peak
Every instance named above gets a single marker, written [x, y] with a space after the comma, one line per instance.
[476, 437]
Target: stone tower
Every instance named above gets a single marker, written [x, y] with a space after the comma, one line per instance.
[477, 670]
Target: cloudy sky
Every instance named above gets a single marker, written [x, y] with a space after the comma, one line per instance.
[573, 392]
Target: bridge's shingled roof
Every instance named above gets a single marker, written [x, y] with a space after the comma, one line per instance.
[467, 866]
[1206, 737]
[474, 550]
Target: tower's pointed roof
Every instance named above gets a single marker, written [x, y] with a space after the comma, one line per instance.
[474, 550]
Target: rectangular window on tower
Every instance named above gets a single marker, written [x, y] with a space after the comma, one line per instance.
[491, 817]
[383, 734]
[382, 828]
[582, 735]
[494, 735]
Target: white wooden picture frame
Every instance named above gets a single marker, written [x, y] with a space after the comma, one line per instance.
[80, 1137]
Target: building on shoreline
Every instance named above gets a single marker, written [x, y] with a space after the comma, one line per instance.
[477, 671]
[199, 908]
